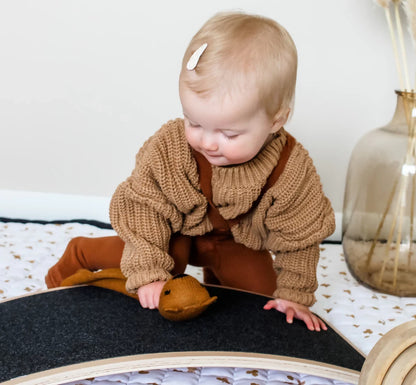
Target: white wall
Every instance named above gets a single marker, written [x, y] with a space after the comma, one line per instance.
[84, 82]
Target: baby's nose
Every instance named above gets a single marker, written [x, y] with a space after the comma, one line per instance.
[209, 143]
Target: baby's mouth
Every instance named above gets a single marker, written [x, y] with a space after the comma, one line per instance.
[212, 155]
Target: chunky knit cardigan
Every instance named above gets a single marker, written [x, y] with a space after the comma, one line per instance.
[162, 196]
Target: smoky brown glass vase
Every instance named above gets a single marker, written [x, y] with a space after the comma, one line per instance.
[379, 215]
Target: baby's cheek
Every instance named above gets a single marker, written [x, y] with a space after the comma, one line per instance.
[232, 151]
[190, 138]
[242, 151]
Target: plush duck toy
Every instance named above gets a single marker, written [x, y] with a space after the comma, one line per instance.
[183, 298]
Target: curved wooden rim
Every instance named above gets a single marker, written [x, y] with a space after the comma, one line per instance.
[386, 351]
[410, 378]
[401, 366]
[180, 360]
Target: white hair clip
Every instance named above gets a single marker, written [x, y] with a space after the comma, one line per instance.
[194, 59]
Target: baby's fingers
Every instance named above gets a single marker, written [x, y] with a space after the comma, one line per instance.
[321, 324]
[272, 304]
[142, 300]
[315, 323]
[289, 315]
[146, 298]
[155, 301]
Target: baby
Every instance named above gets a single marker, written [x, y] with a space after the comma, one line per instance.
[226, 187]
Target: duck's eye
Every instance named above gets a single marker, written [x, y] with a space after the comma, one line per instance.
[167, 292]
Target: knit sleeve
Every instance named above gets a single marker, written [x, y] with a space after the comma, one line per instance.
[146, 233]
[296, 275]
[299, 218]
[141, 219]
[145, 209]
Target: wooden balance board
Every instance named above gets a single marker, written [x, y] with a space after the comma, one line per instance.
[392, 361]
[74, 333]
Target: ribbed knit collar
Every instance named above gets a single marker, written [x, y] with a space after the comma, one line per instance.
[236, 188]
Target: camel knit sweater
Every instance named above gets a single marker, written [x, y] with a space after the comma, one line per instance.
[162, 196]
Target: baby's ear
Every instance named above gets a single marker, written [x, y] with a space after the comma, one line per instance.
[280, 119]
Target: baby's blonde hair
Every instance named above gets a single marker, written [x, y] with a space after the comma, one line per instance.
[241, 49]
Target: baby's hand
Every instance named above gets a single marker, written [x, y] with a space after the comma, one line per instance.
[149, 294]
[293, 309]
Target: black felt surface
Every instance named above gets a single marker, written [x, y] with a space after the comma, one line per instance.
[70, 326]
[92, 222]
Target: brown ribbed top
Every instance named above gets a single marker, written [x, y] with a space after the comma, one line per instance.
[163, 196]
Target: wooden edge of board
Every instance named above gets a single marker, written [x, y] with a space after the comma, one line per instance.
[140, 362]
[38, 292]
[386, 351]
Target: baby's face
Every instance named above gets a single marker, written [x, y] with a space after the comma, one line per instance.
[227, 130]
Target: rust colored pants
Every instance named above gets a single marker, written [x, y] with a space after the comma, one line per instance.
[225, 262]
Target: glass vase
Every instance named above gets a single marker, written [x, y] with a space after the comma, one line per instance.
[379, 224]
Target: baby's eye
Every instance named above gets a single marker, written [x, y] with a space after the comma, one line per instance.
[194, 125]
[230, 135]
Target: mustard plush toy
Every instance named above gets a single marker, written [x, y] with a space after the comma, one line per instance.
[183, 298]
